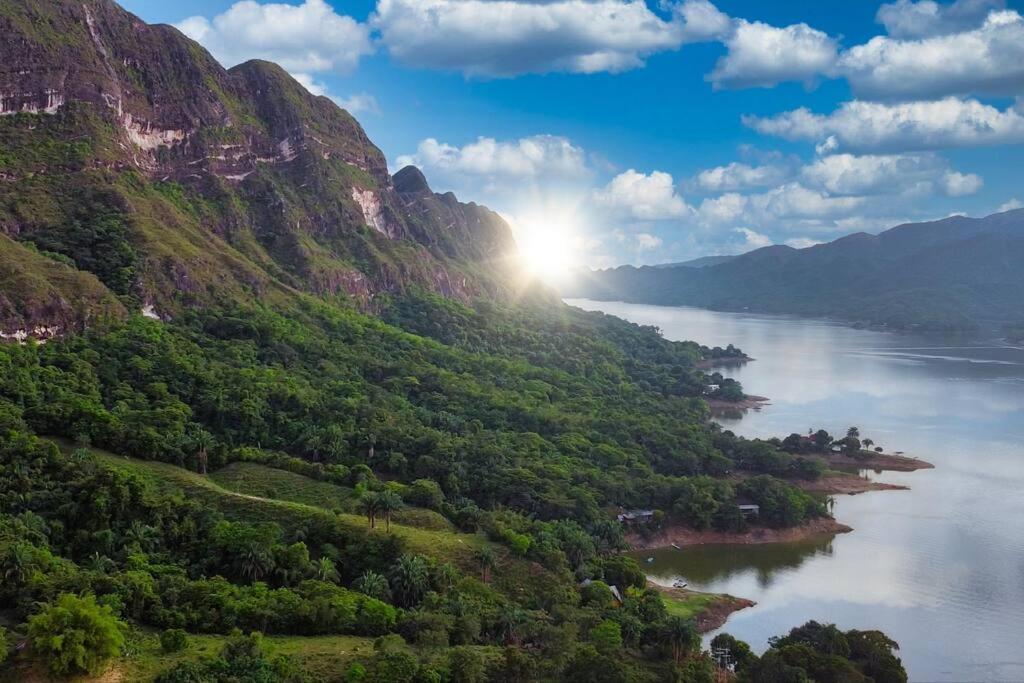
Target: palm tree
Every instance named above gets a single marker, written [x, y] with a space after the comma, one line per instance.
[373, 584]
[255, 563]
[142, 535]
[682, 637]
[388, 502]
[446, 576]
[324, 570]
[313, 441]
[202, 441]
[853, 432]
[369, 503]
[485, 559]
[100, 563]
[510, 619]
[17, 564]
[868, 443]
[410, 579]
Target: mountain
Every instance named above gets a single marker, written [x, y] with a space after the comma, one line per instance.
[702, 262]
[136, 169]
[952, 274]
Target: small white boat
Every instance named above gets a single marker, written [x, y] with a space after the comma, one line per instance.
[676, 546]
[650, 559]
[679, 584]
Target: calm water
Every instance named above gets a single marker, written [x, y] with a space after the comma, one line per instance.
[940, 568]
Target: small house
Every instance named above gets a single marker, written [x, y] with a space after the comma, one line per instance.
[636, 516]
[837, 449]
[749, 509]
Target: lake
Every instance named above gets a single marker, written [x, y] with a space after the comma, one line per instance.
[939, 568]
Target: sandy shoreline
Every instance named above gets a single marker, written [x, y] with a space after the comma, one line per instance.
[684, 536]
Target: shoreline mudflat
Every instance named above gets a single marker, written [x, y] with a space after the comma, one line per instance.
[889, 462]
[685, 536]
[711, 363]
[748, 403]
[714, 614]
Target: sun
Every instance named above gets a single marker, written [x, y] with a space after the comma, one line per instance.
[547, 247]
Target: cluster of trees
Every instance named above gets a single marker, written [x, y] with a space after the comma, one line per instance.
[815, 652]
[526, 425]
[820, 441]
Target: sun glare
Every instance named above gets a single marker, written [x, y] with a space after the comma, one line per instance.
[547, 247]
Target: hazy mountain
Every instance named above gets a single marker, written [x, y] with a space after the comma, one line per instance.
[136, 171]
[954, 273]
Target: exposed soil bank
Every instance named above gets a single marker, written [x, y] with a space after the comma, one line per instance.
[879, 461]
[709, 363]
[715, 613]
[842, 484]
[749, 403]
[684, 536]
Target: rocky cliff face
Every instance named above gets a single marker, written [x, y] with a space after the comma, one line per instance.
[128, 150]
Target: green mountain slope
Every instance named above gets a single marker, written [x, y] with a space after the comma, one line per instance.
[953, 274]
[128, 149]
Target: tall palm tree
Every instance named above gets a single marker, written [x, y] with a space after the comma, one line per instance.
[485, 560]
[369, 503]
[868, 443]
[389, 502]
[202, 441]
[255, 562]
[16, 564]
[682, 637]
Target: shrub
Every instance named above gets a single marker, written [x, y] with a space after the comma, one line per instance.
[75, 635]
[173, 640]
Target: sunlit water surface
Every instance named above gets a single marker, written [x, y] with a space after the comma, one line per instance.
[940, 568]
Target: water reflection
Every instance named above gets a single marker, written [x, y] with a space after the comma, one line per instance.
[939, 567]
[706, 567]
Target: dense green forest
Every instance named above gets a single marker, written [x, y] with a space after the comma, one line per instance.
[321, 472]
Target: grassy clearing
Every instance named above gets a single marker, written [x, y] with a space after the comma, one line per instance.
[445, 545]
[688, 604]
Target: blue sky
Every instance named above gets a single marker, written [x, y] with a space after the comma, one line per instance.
[610, 131]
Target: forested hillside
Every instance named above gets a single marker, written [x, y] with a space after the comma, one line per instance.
[270, 414]
[955, 274]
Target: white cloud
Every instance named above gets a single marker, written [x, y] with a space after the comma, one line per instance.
[754, 240]
[306, 38]
[874, 126]
[354, 104]
[986, 60]
[646, 241]
[724, 209]
[359, 103]
[847, 174]
[529, 157]
[740, 176]
[510, 37]
[957, 184]
[703, 21]
[793, 200]
[802, 242]
[644, 197]
[1010, 205]
[924, 18]
[762, 56]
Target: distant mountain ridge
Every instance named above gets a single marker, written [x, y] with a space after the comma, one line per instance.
[136, 169]
[952, 274]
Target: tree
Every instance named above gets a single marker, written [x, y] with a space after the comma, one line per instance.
[388, 503]
[853, 432]
[75, 635]
[375, 585]
[255, 562]
[606, 637]
[485, 560]
[682, 637]
[369, 503]
[324, 570]
[466, 665]
[867, 443]
[409, 579]
[202, 442]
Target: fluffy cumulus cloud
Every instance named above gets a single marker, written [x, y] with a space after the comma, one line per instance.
[987, 60]
[529, 157]
[956, 184]
[874, 126]
[924, 18]
[1010, 205]
[764, 55]
[802, 242]
[510, 37]
[752, 239]
[873, 174]
[358, 103]
[740, 176]
[304, 39]
[646, 241]
[644, 197]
